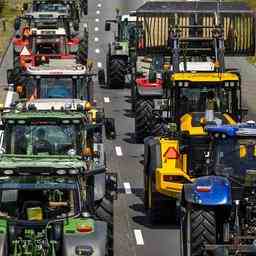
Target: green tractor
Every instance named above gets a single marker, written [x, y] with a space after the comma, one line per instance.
[120, 52]
[55, 184]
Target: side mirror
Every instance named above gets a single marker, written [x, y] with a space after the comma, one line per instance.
[10, 79]
[17, 23]
[25, 6]
[111, 186]
[110, 129]
[107, 26]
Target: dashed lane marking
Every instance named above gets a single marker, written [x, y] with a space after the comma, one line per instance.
[97, 50]
[127, 188]
[119, 151]
[99, 5]
[96, 39]
[98, 12]
[97, 20]
[138, 237]
[99, 64]
[96, 29]
[106, 99]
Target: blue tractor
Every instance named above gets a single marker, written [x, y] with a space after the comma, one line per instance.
[218, 210]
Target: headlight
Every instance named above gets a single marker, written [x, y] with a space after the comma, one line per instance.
[84, 250]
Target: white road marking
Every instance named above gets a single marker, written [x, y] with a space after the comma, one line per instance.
[96, 29]
[97, 20]
[99, 5]
[96, 39]
[119, 151]
[106, 99]
[98, 12]
[127, 188]
[138, 237]
[99, 65]
[97, 50]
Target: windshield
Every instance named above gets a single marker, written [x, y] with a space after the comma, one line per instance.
[56, 88]
[39, 139]
[49, 44]
[49, 7]
[198, 99]
[38, 198]
[237, 159]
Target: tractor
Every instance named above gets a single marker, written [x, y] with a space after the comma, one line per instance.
[46, 34]
[120, 52]
[218, 208]
[180, 55]
[59, 80]
[53, 167]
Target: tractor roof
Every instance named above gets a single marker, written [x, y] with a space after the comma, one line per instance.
[213, 77]
[58, 67]
[192, 7]
[45, 15]
[42, 115]
[48, 32]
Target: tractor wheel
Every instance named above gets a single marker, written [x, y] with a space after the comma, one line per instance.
[133, 96]
[160, 208]
[104, 212]
[143, 119]
[198, 228]
[117, 69]
[101, 77]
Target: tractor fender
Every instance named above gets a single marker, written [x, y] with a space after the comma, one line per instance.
[209, 191]
[152, 155]
[147, 89]
[94, 241]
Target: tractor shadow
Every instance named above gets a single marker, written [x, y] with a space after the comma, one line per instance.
[130, 138]
[128, 113]
[167, 222]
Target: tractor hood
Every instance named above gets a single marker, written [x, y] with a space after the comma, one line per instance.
[192, 122]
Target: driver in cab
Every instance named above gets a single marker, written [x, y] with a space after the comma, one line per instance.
[42, 145]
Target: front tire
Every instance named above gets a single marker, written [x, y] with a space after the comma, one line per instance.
[198, 228]
[143, 119]
[117, 72]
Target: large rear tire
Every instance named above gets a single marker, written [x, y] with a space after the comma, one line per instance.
[198, 228]
[117, 71]
[143, 119]
[104, 212]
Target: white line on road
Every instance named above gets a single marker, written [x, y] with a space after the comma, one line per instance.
[99, 5]
[127, 188]
[97, 50]
[96, 29]
[96, 39]
[98, 12]
[97, 20]
[138, 237]
[99, 64]
[106, 99]
[119, 151]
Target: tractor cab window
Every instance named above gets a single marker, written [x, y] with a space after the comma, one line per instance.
[37, 198]
[236, 158]
[56, 88]
[198, 99]
[49, 45]
[43, 139]
[49, 7]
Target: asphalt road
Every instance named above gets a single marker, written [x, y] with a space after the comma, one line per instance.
[133, 234]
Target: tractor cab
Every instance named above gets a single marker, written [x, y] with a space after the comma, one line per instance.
[59, 79]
